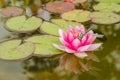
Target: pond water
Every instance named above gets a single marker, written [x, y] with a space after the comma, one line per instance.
[46, 68]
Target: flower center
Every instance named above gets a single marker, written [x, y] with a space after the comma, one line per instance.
[76, 34]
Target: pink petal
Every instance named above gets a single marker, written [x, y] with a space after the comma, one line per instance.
[62, 33]
[80, 28]
[69, 50]
[66, 44]
[60, 47]
[76, 43]
[81, 55]
[84, 39]
[94, 46]
[70, 36]
[84, 48]
[91, 39]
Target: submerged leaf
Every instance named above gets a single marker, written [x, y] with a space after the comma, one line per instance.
[12, 11]
[23, 25]
[105, 17]
[77, 15]
[108, 7]
[59, 7]
[14, 50]
[44, 45]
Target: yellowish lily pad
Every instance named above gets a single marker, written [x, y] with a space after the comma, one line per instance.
[105, 17]
[77, 15]
[44, 45]
[14, 50]
[23, 25]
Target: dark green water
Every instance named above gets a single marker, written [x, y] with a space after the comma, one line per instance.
[45, 68]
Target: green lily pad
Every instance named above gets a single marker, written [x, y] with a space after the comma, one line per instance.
[108, 7]
[23, 25]
[42, 39]
[109, 1]
[50, 28]
[105, 17]
[44, 45]
[65, 24]
[14, 50]
[76, 15]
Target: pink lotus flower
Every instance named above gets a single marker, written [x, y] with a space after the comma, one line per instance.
[79, 47]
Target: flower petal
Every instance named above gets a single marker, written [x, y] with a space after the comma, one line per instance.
[84, 48]
[60, 47]
[69, 50]
[62, 33]
[90, 39]
[81, 54]
[80, 28]
[70, 36]
[76, 43]
[94, 46]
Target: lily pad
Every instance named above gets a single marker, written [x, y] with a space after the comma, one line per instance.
[42, 39]
[12, 11]
[105, 17]
[77, 15]
[50, 28]
[23, 25]
[108, 7]
[59, 6]
[109, 1]
[44, 45]
[64, 24]
[14, 50]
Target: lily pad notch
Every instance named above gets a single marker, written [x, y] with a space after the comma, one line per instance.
[22, 24]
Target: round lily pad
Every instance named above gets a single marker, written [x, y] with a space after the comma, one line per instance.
[105, 17]
[59, 6]
[23, 25]
[50, 28]
[44, 39]
[14, 50]
[44, 45]
[12, 11]
[109, 1]
[108, 7]
[65, 24]
[77, 15]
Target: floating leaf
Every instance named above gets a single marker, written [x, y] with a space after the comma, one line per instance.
[44, 45]
[64, 24]
[59, 6]
[14, 50]
[105, 17]
[109, 1]
[77, 15]
[22, 24]
[42, 39]
[50, 28]
[12, 11]
[108, 7]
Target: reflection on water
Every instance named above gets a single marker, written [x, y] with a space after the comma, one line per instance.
[46, 68]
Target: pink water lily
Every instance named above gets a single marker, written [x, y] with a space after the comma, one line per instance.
[79, 47]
